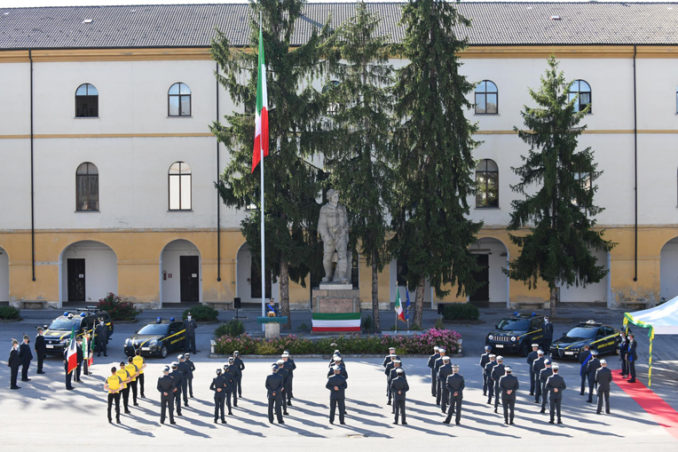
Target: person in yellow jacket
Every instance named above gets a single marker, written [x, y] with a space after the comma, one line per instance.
[113, 386]
[125, 378]
[138, 361]
[133, 373]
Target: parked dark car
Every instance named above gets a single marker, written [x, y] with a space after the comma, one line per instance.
[58, 332]
[516, 334]
[157, 339]
[601, 337]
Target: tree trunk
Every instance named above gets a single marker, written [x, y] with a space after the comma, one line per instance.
[376, 324]
[419, 304]
[285, 293]
[553, 300]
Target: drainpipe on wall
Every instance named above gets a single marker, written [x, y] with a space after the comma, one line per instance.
[218, 196]
[30, 59]
[635, 171]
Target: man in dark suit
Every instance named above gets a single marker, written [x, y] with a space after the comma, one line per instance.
[544, 375]
[498, 372]
[443, 372]
[455, 386]
[274, 387]
[623, 351]
[603, 379]
[101, 338]
[431, 364]
[591, 368]
[241, 366]
[40, 349]
[583, 357]
[14, 362]
[436, 367]
[508, 384]
[531, 357]
[537, 366]
[337, 386]
[632, 357]
[190, 326]
[555, 385]
[399, 388]
[547, 329]
[488, 377]
[25, 356]
[484, 359]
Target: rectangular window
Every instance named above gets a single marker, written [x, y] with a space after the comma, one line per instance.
[174, 105]
[174, 193]
[86, 106]
[87, 192]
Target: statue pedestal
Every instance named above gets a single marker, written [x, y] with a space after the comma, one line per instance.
[336, 309]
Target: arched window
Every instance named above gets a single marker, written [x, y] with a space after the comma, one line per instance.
[87, 188]
[179, 186]
[179, 100]
[86, 101]
[487, 184]
[582, 91]
[487, 98]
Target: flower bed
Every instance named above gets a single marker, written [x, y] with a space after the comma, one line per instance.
[420, 344]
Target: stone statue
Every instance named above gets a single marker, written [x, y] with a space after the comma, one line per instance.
[333, 229]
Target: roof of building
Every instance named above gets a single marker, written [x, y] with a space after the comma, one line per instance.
[194, 25]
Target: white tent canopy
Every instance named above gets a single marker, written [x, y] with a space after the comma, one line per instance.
[662, 318]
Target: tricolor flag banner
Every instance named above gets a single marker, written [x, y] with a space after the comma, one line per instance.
[72, 355]
[261, 120]
[91, 352]
[85, 349]
[399, 306]
[336, 323]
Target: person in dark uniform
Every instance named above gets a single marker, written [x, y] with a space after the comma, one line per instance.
[235, 374]
[14, 362]
[274, 386]
[342, 368]
[603, 379]
[436, 368]
[191, 368]
[337, 386]
[537, 366]
[591, 368]
[113, 386]
[508, 384]
[80, 357]
[443, 372]
[101, 338]
[498, 372]
[431, 363]
[399, 388]
[190, 326]
[166, 388]
[284, 373]
[544, 375]
[230, 386]
[125, 378]
[455, 386]
[488, 373]
[390, 357]
[531, 357]
[219, 387]
[289, 366]
[185, 370]
[333, 358]
[26, 357]
[547, 330]
[397, 364]
[632, 357]
[623, 351]
[177, 377]
[241, 366]
[555, 385]
[69, 375]
[583, 358]
[387, 371]
[484, 359]
[40, 349]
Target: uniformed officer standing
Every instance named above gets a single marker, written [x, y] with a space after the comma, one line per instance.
[623, 351]
[101, 338]
[235, 374]
[185, 372]
[537, 366]
[603, 378]
[498, 372]
[544, 375]
[230, 385]
[138, 361]
[190, 326]
[509, 386]
[390, 357]
[14, 362]
[337, 386]
[484, 359]
[284, 373]
[591, 368]
[443, 372]
[431, 364]
[219, 387]
[455, 386]
[125, 379]
[488, 376]
[436, 368]
[342, 368]
[632, 357]
[399, 388]
[26, 357]
[583, 358]
[191, 367]
[387, 371]
[241, 366]
[289, 366]
[133, 373]
[80, 357]
[555, 385]
[547, 330]
[40, 349]
[166, 387]
[531, 357]
[393, 373]
[113, 386]
[274, 386]
[177, 377]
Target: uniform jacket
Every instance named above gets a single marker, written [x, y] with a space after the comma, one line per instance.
[394, 374]
[229, 377]
[592, 366]
[399, 384]
[489, 366]
[603, 378]
[387, 360]
[25, 354]
[289, 365]
[387, 371]
[166, 384]
[219, 382]
[555, 381]
[234, 370]
[584, 357]
[101, 333]
[191, 368]
[340, 382]
[274, 383]
[432, 360]
[185, 370]
[40, 347]
[238, 363]
[284, 374]
[14, 360]
[548, 331]
[177, 377]
[443, 372]
[531, 357]
[623, 348]
[190, 326]
[632, 356]
[509, 383]
[437, 364]
[342, 372]
[484, 359]
[538, 365]
[455, 383]
[497, 372]
[80, 354]
[544, 374]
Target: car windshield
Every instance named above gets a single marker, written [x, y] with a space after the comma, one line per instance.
[514, 325]
[63, 323]
[154, 329]
[582, 333]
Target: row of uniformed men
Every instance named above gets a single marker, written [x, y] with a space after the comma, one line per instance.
[279, 387]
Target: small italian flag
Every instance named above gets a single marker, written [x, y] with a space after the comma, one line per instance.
[399, 306]
[336, 323]
[85, 349]
[72, 355]
[91, 352]
[261, 121]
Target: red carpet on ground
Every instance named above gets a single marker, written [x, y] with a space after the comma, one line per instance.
[663, 413]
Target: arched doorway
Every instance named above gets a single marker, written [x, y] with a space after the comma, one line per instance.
[88, 272]
[4, 276]
[669, 270]
[592, 293]
[180, 273]
[248, 278]
[492, 259]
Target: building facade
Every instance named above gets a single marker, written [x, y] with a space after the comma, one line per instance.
[108, 163]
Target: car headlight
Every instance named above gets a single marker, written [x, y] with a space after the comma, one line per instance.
[154, 343]
[513, 338]
[490, 337]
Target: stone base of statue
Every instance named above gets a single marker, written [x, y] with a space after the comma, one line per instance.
[336, 309]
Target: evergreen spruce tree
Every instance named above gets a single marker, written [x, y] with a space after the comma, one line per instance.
[291, 183]
[557, 182]
[434, 163]
[361, 122]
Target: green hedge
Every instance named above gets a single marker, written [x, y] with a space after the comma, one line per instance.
[118, 308]
[416, 344]
[234, 328]
[9, 313]
[202, 313]
[460, 311]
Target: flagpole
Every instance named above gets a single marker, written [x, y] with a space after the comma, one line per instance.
[263, 245]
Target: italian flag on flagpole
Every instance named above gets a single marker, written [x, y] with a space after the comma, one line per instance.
[261, 120]
[72, 355]
[399, 306]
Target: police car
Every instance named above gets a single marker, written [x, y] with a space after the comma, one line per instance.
[157, 339]
[58, 333]
[516, 334]
[600, 337]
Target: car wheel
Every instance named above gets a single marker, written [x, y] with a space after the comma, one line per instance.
[163, 352]
[524, 349]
